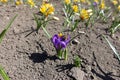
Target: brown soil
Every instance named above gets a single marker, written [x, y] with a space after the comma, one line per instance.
[33, 57]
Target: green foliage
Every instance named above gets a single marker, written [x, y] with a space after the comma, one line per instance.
[66, 54]
[38, 22]
[77, 61]
[70, 17]
[112, 47]
[41, 22]
[6, 29]
[75, 24]
[114, 27]
[3, 74]
[62, 54]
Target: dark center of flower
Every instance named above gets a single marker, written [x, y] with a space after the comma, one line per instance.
[63, 38]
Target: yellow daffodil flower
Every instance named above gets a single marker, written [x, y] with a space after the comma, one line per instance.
[67, 2]
[119, 7]
[4, 1]
[75, 8]
[47, 9]
[83, 1]
[115, 2]
[31, 3]
[18, 2]
[76, 1]
[84, 14]
[102, 5]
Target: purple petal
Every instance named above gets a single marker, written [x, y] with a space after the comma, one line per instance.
[63, 44]
[54, 38]
[94, 4]
[60, 42]
[68, 39]
[57, 44]
[62, 38]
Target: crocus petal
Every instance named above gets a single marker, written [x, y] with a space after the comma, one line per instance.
[60, 42]
[57, 44]
[68, 39]
[63, 44]
[94, 4]
[54, 38]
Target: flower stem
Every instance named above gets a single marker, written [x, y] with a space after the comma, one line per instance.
[59, 54]
[65, 54]
[49, 36]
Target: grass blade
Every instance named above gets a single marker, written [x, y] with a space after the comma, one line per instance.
[3, 74]
[49, 36]
[113, 48]
[5, 30]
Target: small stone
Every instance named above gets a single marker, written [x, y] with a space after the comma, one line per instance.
[7, 18]
[16, 30]
[94, 64]
[75, 41]
[81, 32]
[89, 68]
[77, 73]
[57, 61]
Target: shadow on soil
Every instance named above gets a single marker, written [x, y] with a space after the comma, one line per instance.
[104, 75]
[41, 57]
[30, 31]
[61, 68]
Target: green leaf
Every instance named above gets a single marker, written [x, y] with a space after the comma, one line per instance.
[3, 74]
[77, 61]
[75, 25]
[6, 29]
[59, 54]
[114, 27]
[49, 36]
[113, 48]
[38, 22]
[66, 54]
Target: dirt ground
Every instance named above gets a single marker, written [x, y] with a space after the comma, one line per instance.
[33, 57]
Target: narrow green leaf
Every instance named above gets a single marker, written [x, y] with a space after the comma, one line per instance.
[7, 27]
[49, 36]
[2, 35]
[38, 22]
[3, 74]
[66, 54]
[113, 48]
[59, 54]
[75, 25]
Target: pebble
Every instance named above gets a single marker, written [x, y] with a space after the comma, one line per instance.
[15, 30]
[75, 41]
[77, 73]
[94, 64]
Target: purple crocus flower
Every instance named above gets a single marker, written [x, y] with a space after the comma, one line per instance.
[60, 41]
[94, 3]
